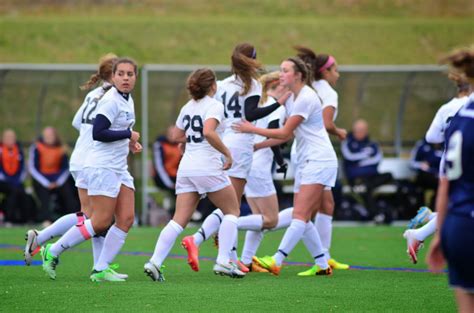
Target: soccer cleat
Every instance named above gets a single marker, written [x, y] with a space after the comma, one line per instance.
[49, 262]
[154, 272]
[335, 265]
[113, 267]
[105, 275]
[268, 263]
[229, 269]
[421, 217]
[242, 267]
[193, 252]
[254, 267]
[31, 247]
[413, 245]
[315, 270]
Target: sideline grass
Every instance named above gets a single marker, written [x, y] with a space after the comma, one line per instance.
[27, 289]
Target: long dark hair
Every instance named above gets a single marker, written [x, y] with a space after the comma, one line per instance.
[245, 65]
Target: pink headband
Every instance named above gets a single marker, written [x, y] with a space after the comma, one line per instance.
[331, 60]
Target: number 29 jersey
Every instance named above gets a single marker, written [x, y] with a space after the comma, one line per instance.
[460, 161]
[229, 93]
[200, 158]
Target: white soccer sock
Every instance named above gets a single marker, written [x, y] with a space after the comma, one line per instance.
[113, 242]
[284, 219]
[426, 230]
[74, 236]
[227, 238]
[97, 245]
[432, 215]
[252, 242]
[165, 242]
[292, 235]
[313, 243]
[209, 227]
[323, 223]
[250, 222]
[59, 227]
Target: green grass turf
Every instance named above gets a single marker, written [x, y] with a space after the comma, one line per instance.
[27, 288]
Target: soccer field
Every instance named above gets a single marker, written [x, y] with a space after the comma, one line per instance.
[382, 279]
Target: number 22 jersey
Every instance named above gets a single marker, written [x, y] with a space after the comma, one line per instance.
[200, 158]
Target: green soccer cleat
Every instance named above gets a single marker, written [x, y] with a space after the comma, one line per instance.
[315, 270]
[335, 265]
[114, 267]
[105, 275]
[49, 261]
[268, 263]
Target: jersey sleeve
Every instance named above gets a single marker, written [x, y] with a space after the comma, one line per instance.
[255, 89]
[330, 99]
[179, 120]
[302, 107]
[435, 133]
[77, 120]
[108, 109]
[215, 111]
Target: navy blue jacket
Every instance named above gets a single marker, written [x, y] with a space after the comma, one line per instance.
[361, 157]
[425, 152]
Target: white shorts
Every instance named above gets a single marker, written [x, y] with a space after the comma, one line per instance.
[79, 179]
[105, 182]
[259, 187]
[313, 172]
[201, 184]
[242, 163]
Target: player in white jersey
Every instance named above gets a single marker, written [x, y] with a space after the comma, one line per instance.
[201, 172]
[316, 163]
[109, 184]
[435, 135]
[240, 94]
[82, 121]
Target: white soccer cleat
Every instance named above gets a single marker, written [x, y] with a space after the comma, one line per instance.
[114, 267]
[154, 272]
[105, 275]
[229, 269]
[31, 246]
[413, 245]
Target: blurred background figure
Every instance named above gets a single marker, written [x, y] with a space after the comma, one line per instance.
[15, 205]
[425, 160]
[49, 167]
[361, 160]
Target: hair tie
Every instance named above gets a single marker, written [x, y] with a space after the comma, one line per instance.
[254, 53]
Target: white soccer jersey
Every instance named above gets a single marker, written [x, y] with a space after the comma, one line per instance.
[229, 93]
[83, 121]
[263, 159]
[327, 94]
[435, 133]
[119, 110]
[200, 158]
[312, 139]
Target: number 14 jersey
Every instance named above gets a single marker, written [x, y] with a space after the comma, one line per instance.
[200, 158]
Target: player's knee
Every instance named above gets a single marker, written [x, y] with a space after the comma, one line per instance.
[270, 221]
[125, 222]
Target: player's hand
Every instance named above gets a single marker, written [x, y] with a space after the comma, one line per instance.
[283, 169]
[243, 127]
[435, 257]
[52, 186]
[228, 162]
[341, 134]
[135, 147]
[425, 166]
[135, 136]
[282, 99]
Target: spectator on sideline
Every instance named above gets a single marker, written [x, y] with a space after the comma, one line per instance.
[12, 176]
[361, 159]
[49, 166]
[425, 160]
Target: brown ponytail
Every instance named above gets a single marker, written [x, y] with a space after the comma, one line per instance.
[462, 62]
[104, 73]
[244, 64]
[200, 82]
[461, 82]
[314, 61]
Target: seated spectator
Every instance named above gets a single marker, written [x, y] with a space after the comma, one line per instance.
[425, 160]
[49, 167]
[166, 157]
[15, 205]
[361, 159]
